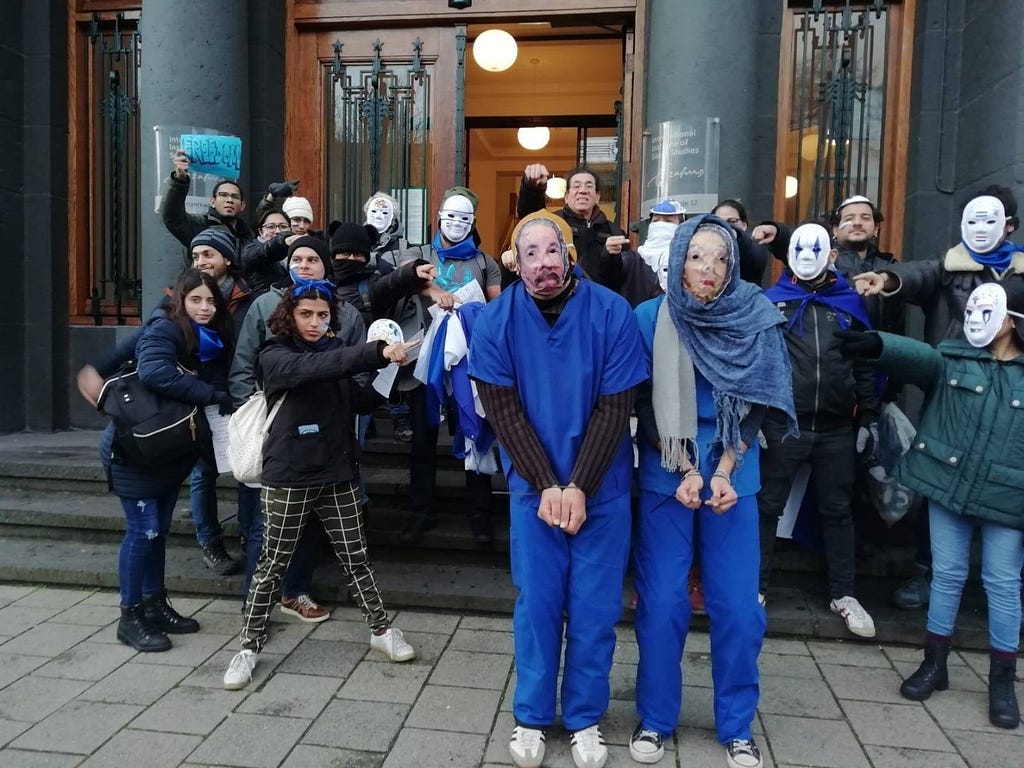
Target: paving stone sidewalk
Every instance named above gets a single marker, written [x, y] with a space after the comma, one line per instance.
[71, 695]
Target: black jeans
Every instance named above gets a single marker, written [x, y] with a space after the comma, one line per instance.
[832, 457]
[423, 465]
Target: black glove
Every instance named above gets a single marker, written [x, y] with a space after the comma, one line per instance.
[227, 405]
[283, 188]
[859, 344]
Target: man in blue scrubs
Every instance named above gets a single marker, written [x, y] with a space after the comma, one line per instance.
[556, 360]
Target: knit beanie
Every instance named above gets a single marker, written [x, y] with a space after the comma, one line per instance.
[353, 238]
[465, 192]
[318, 245]
[221, 239]
[297, 207]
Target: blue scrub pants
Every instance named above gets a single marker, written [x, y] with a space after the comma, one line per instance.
[663, 547]
[569, 585]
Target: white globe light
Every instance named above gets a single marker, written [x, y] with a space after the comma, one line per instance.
[533, 138]
[556, 188]
[495, 50]
[792, 186]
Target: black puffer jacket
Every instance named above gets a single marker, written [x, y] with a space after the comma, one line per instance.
[312, 439]
[826, 388]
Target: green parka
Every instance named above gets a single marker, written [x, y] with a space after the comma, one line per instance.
[968, 455]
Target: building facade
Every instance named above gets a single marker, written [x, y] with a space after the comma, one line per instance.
[788, 105]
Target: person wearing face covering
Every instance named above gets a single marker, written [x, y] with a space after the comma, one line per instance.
[966, 461]
[828, 391]
[718, 363]
[556, 360]
[384, 214]
[665, 218]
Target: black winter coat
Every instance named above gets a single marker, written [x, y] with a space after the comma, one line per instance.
[185, 226]
[312, 439]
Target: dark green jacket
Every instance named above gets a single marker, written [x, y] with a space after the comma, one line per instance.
[968, 455]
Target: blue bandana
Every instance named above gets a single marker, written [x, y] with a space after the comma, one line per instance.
[838, 296]
[999, 259]
[210, 345]
[463, 251]
[302, 286]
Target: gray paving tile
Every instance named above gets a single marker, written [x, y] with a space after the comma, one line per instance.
[698, 710]
[785, 646]
[915, 654]
[623, 681]
[451, 749]
[510, 692]
[895, 757]
[385, 681]
[307, 756]
[963, 711]
[821, 743]
[210, 674]
[53, 597]
[15, 619]
[429, 647]
[788, 666]
[219, 623]
[698, 642]
[284, 638]
[798, 697]
[493, 623]
[79, 727]
[9, 729]
[325, 658]
[481, 640]
[895, 725]
[627, 652]
[127, 748]
[189, 650]
[230, 605]
[961, 676]
[343, 631]
[472, 670]
[284, 695]
[19, 758]
[436, 623]
[87, 661]
[700, 747]
[12, 592]
[89, 614]
[849, 653]
[365, 726]
[442, 708]
[48, 639]
[982, 750]
[697, 669]
[104, 597]
[187, 709]
[136, 683]
[253, 741]
[32, 698]
[15, 665]
[863, 683]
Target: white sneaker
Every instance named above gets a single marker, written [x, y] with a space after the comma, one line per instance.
[588, 749]
[392, 644]
[240, 669]
[645, 745]
[857, 619]
[527, 747]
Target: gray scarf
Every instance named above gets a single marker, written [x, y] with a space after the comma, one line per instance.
[674, 395]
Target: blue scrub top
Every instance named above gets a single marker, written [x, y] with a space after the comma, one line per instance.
[559, 372]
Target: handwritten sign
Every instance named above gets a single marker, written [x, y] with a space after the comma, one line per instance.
[681, 162]
[215, 155]
[168, 141]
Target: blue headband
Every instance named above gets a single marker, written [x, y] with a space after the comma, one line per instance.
[303, 286]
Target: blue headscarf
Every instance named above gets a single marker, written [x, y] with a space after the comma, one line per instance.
[302, 286]
[210, 345]
[999, 259]
[735, 340]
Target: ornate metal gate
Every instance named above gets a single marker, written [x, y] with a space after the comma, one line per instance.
[378, 134]
[114, 268]
[838, 71]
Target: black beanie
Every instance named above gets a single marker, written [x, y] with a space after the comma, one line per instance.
[318, 245]
[1014, 287]
[353, 238]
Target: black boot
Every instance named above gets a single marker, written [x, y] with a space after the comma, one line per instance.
[160, 615]
[217, 558]
[483, 532]
[1003, 711]
[931, 675]
[134, 630]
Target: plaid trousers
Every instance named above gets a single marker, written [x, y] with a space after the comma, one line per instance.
[285, 512]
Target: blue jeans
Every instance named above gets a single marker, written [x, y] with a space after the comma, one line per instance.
[203, 496]
[1002, 556]
[140, 563]
[298, 577]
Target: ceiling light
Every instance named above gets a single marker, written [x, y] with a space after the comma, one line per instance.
[533, 138]
[792, 187]
[495, 50]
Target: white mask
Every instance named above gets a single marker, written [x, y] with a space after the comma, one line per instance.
[983, 225]
[380, 214]
[984, 314]
[809, 250]
[456, 218]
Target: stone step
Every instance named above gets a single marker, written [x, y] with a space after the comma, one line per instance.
[793, 610]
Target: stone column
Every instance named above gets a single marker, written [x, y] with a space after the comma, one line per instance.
[195, 71]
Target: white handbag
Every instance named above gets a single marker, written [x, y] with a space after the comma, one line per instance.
[247, 430]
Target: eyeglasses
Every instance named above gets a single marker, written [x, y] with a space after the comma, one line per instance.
[275, 227]
[578, 185]
[229, 196]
